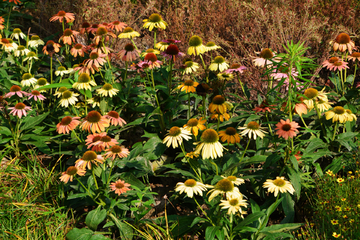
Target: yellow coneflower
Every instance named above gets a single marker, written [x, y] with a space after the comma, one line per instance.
[195, 46]
[188, 86]
[337, 114]
[210, 46]
[225, 186]
[84, 82]
[194, 125]
[154, 21]
[218, 105]
[230, 135]
[129, 33]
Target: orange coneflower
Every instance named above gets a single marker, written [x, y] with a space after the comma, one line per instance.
[51, 47]
[67, 124]
[94, 122]
[230, 135]
[61, 15]
[115, 119]
[95, 61]
[119, 187]
[68, 36]
[87, 159]
[70, 173]
[78, 49]
[218, 104]
[117, 25]
[129, 53]
[287, 129]
[116, 150]
[189, 86]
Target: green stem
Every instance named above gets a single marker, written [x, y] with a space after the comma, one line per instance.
[354, 72]
[241, 84]
[204, 106]
[77, 136]
[162, 122]
[93, 174]
[112, 166]
[319, 116]
[170, 75]
[218, 123]
[188, 159]
[302, 119]
[267, 119]
[188, 115]
[203, 212]
[87, 190]
[216, 167]
[134, 44]
[155, 38]
[8, 20]
[247, 145]
[335, 128]
[205, 69]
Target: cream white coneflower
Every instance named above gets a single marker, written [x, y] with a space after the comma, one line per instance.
[84, 82]
[61, 70]
[235, 180]
[219, 64]
[28, 80]
[190, 187]
[21, 51]
[107, 90]
[233, 205]
[175, 137]
[209, 146]
[68, 98]
[190, 67]
[225, 186]
[210, 46]
[17, 34]
[196, 46]
[35, 41]
[253, 130]
[278, 185]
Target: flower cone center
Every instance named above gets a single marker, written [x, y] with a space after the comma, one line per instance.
[343, 38]
[225, 185]
[31, 54]
[96, 138]
[266, 53]
[15, 88]
[84, 78]
[5, 41]
[66, 120]
[235, 66]
[119, 185]
[311, 93]
[35, 38]
[107, 87]
[101, 31]
[35, 92]
[286, 127]
[17, 30]
[172, 50]
[85, 25]
[61, 68]
[71, 170]
[189, 83]
[279, 182]
[26, 76]
[355, 54]
[78, 46]
[20, 106]
[89, 156]
[333, 59]
[210, 136]
[93, 117]
[218, 100]
[94, 55]
[67, 94]
[128, 30]
[151, 57]
[20, 47]
[105, 139]
[192, 122]
[190, 183]
[232, 178]
[339, 110]
[155, 18]
[253, 125]
[116, 149]
[219, 59]
[233, 202]
[230, 131]
[195, 41]
[62, 89]
[113, 114]
[189, 64]
[210, 44]
[338, 63]
[129, 47]
[150, 50]
[68, 32]
[174, 131]
[61, 13]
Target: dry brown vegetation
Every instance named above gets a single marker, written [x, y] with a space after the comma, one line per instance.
[240, 27]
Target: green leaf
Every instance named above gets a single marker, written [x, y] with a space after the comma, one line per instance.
[288, 206]
[95, 217]
[55, 85]
[295, 180]
[277, 228]
[5, 131]
[210, 232]
[125, 230]
[249, 219]
[197, 220]
[313, 145]
[79, 234]
[77, 195]
[33, 121]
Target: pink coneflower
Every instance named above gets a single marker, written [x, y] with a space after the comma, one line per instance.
[70, 172]
[106, 142]
[129, 53]
[264, 59]
[172, 52]
[78, 49]
[15, 89]
[92, 29]
[334, 64]
[61, 15]
[120, 187]
[92, 139]
[103, 33]
[68, 36]
[84, 27]
[300, 108]
[51, 47]
[89, 157]
[67, 124]
[96, 60]
[287, 129]
[264, 107]
[116, 151]
[343, 43]
[94, 122]
[117, 25]
[19, 109]
[354, 56]
[236, 68]
[151, 61]
[36, 95]
[115, 119]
